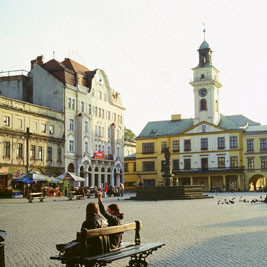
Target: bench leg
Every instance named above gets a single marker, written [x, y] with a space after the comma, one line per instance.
[137, 263]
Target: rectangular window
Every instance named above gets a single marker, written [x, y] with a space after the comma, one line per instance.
[233, 141]
[69, 102]
[73, 104]
[221, 143]
[148, 166]
[148, 148]
[187, 145]
[264, 162]
[6, 121]
[187, 164]
[20, 150]
[71, 145]
[51, 129]
[40, 153]
[175, 146]
[204, 143]
[263, 146]
[59, 154]
[20, 123]
[86, 147]
[108, 115]
[71, 124]
[99, 112]
[114, 117]
[89, 109]
[163, 146]
[7, 149]
[86, 127]
[126, 167]
[175, 164]
[43, 128]
[96, 111]
[82, 106]
[49, 153]
[250, 163]
[103, 113]
[233, 162]
[250, 145]
[32, 152]
[134, 167]
[221, 162]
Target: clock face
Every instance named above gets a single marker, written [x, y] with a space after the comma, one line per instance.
[202, 92]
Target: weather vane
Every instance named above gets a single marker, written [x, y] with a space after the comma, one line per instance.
[204, 30]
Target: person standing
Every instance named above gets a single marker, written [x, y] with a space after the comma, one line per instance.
[105, 190]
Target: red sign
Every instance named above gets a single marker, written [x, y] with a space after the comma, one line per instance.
[99, 155]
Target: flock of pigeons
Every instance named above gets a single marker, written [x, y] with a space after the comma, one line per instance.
[241, 199]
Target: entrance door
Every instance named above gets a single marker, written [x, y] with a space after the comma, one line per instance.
[204, 164]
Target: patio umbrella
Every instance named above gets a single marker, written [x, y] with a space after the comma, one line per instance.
[33, 176]
[70, 176]
[23, 180]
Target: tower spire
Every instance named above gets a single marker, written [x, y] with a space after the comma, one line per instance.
[204, 30]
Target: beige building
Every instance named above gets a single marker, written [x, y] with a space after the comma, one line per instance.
[31, 138]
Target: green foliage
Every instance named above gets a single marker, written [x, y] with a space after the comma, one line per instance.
[129, 135]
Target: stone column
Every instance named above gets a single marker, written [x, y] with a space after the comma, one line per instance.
[106, 177]
[78, 173]
[239, 181]
[93, 178]
[191, 181]
[209, 183]
[224, 181]
[112, 178]
[86, 183]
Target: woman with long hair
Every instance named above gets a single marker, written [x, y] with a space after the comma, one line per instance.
[114, 217]
[93, 219]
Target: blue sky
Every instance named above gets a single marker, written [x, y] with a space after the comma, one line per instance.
[147, 49]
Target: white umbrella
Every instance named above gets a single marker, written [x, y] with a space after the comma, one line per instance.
[70, 176]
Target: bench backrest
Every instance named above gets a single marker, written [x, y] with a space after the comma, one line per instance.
[86, 234]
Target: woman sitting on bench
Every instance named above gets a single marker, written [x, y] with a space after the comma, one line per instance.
[114, 218]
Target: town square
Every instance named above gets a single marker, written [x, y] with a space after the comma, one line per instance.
[133, 133]
[196, 232]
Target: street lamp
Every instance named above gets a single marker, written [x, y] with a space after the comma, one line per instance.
[27, 149]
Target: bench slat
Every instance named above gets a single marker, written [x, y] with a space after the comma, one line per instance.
[111, 230]
[128, 251]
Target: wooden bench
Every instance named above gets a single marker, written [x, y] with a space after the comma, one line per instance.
[32, 196]
[73, 194]
[136, 251]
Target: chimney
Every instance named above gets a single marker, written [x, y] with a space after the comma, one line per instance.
[39, 60]
[176, 117]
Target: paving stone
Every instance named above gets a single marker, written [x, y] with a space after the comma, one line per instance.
[196, 232]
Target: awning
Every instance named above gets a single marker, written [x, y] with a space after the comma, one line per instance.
[70, 176]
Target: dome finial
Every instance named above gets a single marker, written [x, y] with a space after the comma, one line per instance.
[204, 30]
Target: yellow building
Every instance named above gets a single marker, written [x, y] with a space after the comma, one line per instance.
[130, 175]
[209, 149]
[31, 138]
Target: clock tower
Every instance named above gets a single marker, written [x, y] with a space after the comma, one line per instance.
[206, 87]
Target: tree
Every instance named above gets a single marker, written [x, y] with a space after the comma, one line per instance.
[129, 135]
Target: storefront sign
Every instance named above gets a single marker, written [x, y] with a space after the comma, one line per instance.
[99, 155]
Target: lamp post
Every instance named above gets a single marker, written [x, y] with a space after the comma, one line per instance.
[27, 149]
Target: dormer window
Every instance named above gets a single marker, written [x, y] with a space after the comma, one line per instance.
[202, 76]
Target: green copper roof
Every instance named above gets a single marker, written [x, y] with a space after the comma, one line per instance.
[258, 128]
[204, 45]
[227, 123]
[241, 120]
[164, 128]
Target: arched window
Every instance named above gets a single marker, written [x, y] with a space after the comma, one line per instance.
[86, 146]
[203, 104]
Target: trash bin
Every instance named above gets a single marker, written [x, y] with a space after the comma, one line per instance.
[2, 248]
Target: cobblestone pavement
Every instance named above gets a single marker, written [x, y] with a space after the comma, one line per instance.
[196, 232]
